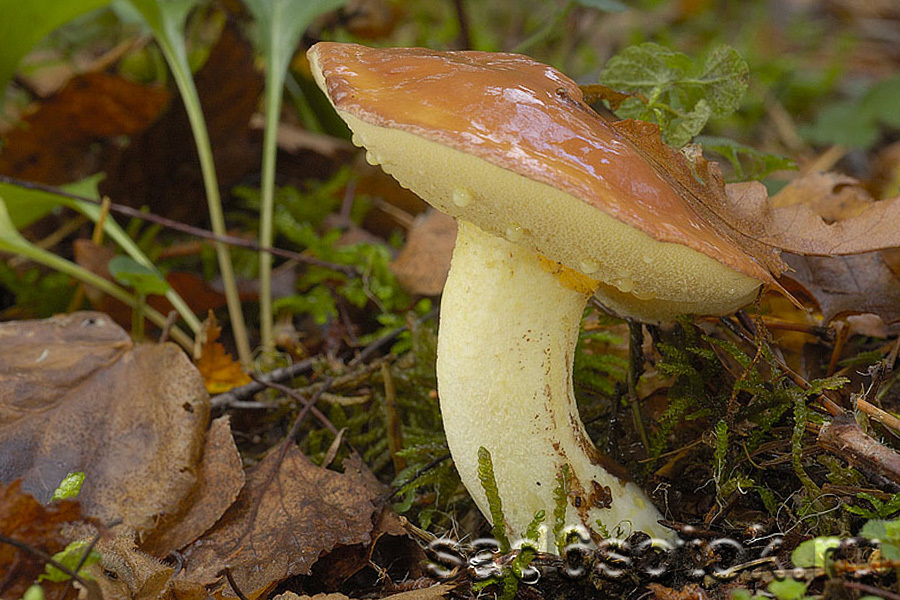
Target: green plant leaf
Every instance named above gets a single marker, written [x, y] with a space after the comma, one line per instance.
[857, 122]
[813, 553]
[12, 241]
[34, 592]
[788, 589]
[70, 557]
[677, 93]
[143, 279]
[495, 503]
[882, 530]
[612, 6]
[748, 162]
[24, 24]
[279, 25]
[167, 20]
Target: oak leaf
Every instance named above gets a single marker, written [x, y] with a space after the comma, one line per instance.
[289, 513]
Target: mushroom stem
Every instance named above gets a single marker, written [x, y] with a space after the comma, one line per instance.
[505, 383]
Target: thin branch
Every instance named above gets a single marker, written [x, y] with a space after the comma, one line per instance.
[871, 589]
[303, 402]
[844, 438]
[184, 228]
[239, 397]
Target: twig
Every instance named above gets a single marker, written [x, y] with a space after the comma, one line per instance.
[871, 589]
[392, 419]
[882, 416]
[388, 338]
[635, 370]
[827, 403]
[844, 438]
[184, 228]
[84, 557]
[171, 318]
[302, 401]
[464, 40]
[234, 586]
[419, 473]
[238, 397]
[301, 416]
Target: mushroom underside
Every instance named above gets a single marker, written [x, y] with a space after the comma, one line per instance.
[638, 276]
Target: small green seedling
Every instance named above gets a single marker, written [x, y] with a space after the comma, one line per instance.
[69, 487]
[76, 557]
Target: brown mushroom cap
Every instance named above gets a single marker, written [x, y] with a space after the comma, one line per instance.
[526, 124]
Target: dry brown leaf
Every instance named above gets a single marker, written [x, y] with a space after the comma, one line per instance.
[822, 214]
[220, 480]
[126, 573]
[689, 592]
[422, 265]
[844, 285]
[430, 593]
[219, 370]
[827, 215]
[434, 592]
[289, 513]
[596, 92]
[70, 135]
[26, 520]
[76, 396]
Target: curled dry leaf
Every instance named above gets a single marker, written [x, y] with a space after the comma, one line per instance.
[828, 213]
[435, 592]
[126, 573]
[76, 396]
[822, 214]
[289, 513]
[220, 479]
[845, 285]
[219, 370]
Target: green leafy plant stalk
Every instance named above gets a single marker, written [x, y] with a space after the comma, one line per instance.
[673, 90]
[27, 205]
[167, 18]
[495, 504]
[280, 24]
[12, 241]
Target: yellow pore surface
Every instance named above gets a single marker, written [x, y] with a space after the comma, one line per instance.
[638, 276]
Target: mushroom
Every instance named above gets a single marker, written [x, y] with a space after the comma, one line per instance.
[553, 206]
